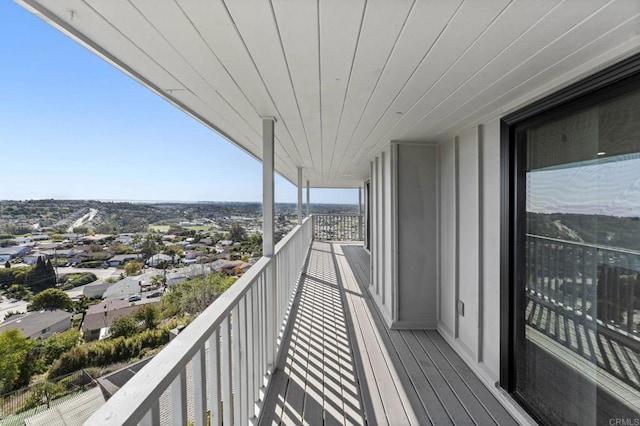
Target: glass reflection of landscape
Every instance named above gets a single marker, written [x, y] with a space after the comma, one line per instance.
[579, 360]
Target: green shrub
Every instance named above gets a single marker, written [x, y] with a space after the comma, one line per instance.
[91, 264]
[41, 393]
[85, 278]
[55, 345]
[124, 327]
[70, 361]
[106, 352]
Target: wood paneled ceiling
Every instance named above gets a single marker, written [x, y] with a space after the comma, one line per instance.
[343, 78]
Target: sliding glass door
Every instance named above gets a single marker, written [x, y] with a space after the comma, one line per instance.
[577, 274]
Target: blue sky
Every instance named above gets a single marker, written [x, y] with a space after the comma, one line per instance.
[74, 127]
[608, 186]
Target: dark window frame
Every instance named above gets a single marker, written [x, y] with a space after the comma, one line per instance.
[601, 86]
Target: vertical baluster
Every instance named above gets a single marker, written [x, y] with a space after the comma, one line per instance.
[630, 296]
[546, 270]
[594, 288]
[565, 273]
[236, 357]
[556, 272]
[250, 354]
[618, 283]
[535, 266]
[214, 379]
[200, 388]
[244, 360]
[270, 308]
[529, 242]
[227, 382]
[255, 308]
[152, 417]
[549, 270]
[179, 399]
[574, 280]
[583, 301]
[263, 327]
[604, 299]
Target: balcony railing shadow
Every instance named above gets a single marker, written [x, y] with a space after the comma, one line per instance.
[315, 382]
[341, 364]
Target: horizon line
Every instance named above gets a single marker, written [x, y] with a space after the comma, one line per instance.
[115, 200]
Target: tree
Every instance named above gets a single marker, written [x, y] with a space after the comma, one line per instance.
[149, 315]
[82, 303]
[124, 327]
[14, 365]
[41, 276]
[47, 391]
[133, 268]
[156, 280]
[194, 295]
[8, 243]
[52, 298]
[149, 246]
[237, 232]
[18, 291]
[119, 248]
[173, 251]
[55, 345]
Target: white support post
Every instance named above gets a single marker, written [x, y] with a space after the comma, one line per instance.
[299, 195]
[268, 245]
[268, 186]
[308, 202]
[359, 213]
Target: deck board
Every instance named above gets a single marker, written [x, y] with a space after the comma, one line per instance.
[340, 364]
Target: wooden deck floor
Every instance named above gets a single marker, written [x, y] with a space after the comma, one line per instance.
[341, 365]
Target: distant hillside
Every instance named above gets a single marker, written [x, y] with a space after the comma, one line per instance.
[19, 217]
[623, 232]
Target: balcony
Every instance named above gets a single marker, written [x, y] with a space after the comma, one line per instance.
[583, 315]
[298, 340]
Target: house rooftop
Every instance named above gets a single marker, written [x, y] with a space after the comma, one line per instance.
[12, 251]
[32, 323]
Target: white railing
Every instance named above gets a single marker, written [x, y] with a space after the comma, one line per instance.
[338, 227]
[228, 352]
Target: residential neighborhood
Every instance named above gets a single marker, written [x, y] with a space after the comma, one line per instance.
[70, 285]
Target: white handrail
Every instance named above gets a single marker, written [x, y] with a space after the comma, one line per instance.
[338, 227]
[235, 330]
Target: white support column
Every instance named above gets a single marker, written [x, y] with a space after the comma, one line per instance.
[268, 243]
[299, 195]
[308, 202]
[360, 231]
[267, 186]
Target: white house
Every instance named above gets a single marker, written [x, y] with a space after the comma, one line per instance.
[125, 287]
[156, 259]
